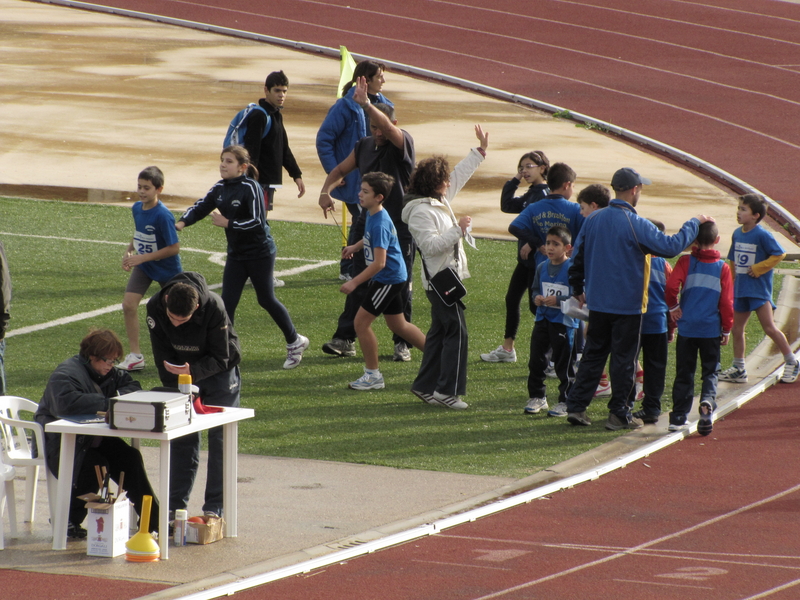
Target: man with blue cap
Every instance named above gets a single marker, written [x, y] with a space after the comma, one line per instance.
[610, 273]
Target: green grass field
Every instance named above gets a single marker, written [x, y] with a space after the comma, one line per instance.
[65, 260]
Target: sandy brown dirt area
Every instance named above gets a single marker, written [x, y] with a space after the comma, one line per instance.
[90, 99]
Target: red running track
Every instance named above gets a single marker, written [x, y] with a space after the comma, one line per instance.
[709, 518]
[719, 79]
[712, 518]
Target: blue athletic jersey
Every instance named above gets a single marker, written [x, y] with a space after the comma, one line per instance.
[700, 300]
[655, 319]
[747, 249]
[379, 232]
[553, 280]
[155, 230]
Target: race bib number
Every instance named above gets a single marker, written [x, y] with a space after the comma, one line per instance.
[555, 289]
[144, 243]
[745, 256]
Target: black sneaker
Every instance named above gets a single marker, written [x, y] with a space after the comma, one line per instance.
[76, 532]
[646, 417]
[705, 425]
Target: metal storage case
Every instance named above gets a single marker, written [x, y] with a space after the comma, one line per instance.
[150, 411]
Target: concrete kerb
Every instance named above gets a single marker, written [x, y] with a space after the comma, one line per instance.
[764, 368]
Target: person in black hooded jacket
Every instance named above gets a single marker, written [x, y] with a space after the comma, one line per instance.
[191, 334]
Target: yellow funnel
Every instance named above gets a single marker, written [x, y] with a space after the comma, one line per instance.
[143, 547]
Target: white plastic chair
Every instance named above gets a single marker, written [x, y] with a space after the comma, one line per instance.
[15, 451]
[7, 491]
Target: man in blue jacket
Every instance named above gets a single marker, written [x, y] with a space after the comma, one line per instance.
[344, 125]
[611, 272]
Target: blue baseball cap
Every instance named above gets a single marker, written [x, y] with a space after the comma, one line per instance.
[627, 178]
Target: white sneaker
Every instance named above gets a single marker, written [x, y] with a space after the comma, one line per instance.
[550, 372]
[345, 277]
[294, 352]
[603, 389]
[790, 373]
[278, 282]
[453, 402]
[402, 353]
[535, 406]
[500, 354]
[135, 362]
[559, 410]
[368, 381]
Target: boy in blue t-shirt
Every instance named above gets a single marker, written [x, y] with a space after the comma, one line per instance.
[151, 256]
[754, 253]
[552, 328]
[387, 276]
[704, 318]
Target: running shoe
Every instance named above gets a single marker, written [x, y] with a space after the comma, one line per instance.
[705, 425]
[278, 282]
[550, 371]
[578, 418]
[76, 532]
[677, 427]
[345, 277]
[401, 352]
[368, 381]
[500, 354]
[453, 402]
[135, 362]
[615, 423]
[427, 398]
[603, 389]
[734, 375]
[790, 372]
[535, 406]
[646, 417]
[294, 352]
[339, 347]
[559, 410]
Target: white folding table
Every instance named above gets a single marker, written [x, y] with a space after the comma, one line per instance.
[228, 420]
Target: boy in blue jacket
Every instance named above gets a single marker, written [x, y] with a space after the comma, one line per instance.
[552, 329]
[704, 317]
[533, 223]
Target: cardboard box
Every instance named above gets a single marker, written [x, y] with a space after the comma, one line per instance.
[205, 533]
[150, 411]
[108, 526]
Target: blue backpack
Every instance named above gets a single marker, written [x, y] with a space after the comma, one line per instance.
[238, 127]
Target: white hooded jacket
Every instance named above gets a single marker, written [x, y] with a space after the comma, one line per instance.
[435, 228]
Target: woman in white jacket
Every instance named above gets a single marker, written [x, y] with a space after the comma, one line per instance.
[442, 376]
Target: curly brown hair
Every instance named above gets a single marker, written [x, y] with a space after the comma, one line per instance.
[428, 177]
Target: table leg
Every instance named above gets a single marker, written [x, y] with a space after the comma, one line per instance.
[163, 499]
[64, 491]
[230, 500]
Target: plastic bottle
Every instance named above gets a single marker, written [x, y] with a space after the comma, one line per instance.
[179, 537]
[185, 384]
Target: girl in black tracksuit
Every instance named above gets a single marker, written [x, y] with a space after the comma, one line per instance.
[239, 204]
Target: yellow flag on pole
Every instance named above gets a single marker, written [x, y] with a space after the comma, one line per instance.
[346, 67]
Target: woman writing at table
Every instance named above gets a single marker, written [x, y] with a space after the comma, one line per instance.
[82, 385]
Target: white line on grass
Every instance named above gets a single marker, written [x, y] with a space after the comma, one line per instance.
[215, 257]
